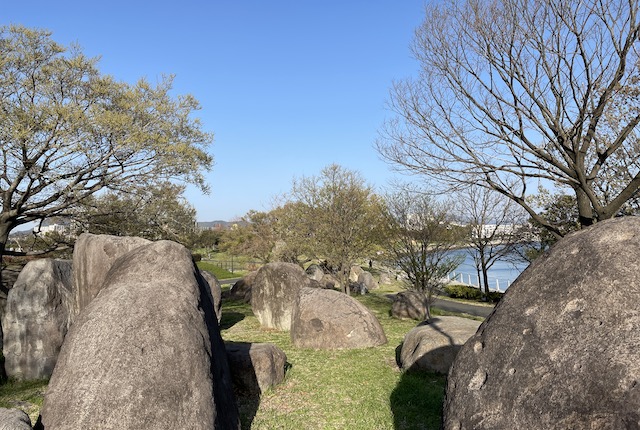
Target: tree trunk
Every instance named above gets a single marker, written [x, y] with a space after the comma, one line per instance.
[4, 238]
[585, 211]
[485, 281]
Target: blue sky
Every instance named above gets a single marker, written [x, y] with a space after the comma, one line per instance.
[287, 87]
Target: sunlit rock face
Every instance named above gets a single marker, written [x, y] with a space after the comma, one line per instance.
[561, 348]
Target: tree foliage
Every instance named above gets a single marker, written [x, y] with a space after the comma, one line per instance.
[155, 213]
[68, 131]
[518, 92]
[420, 234]
[337, 218]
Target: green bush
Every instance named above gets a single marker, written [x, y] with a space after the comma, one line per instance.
[459, 291]
[467, 292]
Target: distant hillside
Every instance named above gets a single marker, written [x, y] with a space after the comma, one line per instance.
[216, 225]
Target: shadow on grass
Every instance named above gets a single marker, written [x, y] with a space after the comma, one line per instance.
[416, 402]
[230, 318]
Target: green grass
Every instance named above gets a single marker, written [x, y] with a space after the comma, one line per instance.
[219, 272]
[25, 395]
[355, 389]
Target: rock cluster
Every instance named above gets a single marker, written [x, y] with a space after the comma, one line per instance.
[149, 338]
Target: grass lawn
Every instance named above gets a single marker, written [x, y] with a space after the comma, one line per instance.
[344, 389]
[354, 389]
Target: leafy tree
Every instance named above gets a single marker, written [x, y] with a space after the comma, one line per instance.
[516, 92]
[336, 218]
[496, 227]
[420, 235]
[157, 212]
[254, 236]
[67, 131]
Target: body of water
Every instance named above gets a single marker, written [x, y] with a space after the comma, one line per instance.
[501, 275]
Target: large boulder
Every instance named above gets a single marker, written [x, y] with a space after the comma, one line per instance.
[274, 291]
[145, 353]
[409, 304]
[216, 291]
[255, 367]
[354, 273]
[561, 348]
[328, 319]
[434, 345]
[36, 318]
[369, 282]
[14, 419]
[241, 290]
[93, 256]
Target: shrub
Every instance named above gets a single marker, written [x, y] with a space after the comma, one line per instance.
[460, 291]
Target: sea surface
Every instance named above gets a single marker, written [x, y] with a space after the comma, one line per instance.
[501, 274]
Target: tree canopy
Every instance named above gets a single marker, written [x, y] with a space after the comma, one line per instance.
[518, 93]
[339, 217]
[155, 213]
[67, 131]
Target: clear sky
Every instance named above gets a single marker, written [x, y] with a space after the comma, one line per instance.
[287, 87]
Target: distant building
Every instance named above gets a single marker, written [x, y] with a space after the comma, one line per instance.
[53, 225]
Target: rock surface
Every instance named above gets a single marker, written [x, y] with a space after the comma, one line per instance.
[93, 256]
[255, 367]
[145, 353]
[328, 319]
[409, 305]
[315, 272]
[367, 279]
[36, 318]
[216, 291]
[561, 348]
[14, 419]
[274, 291]
[241, 290]
[434, 346]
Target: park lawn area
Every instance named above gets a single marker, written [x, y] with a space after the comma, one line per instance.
[354, 389]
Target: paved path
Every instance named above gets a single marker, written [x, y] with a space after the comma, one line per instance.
[467, 308]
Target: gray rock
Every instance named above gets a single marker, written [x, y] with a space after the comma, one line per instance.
[315, 272]
[36, 318]
[255, 367]
[241, 290]
[328, 319]
[14, 419]
[145, 353]
[216, 291]
[93, 256]
[274, 291]
[409, 305]
[367, 279]
[434, 346]
[386, 278]
[561, 348]
[354, 272]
